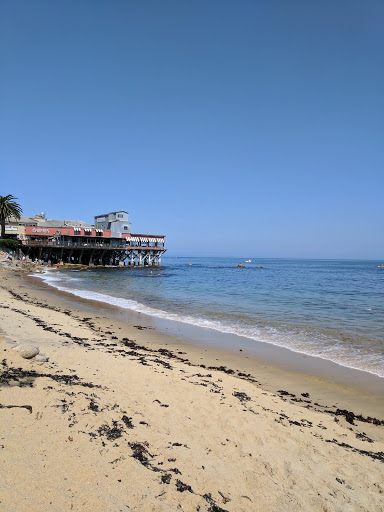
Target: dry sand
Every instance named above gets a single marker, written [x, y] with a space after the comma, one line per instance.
[119, 421]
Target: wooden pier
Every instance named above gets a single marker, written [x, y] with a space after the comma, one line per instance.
[132, 250]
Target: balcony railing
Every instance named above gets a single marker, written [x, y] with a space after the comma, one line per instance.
[86, 245]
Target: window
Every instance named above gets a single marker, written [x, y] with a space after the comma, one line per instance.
[120, 216]
[125, 228]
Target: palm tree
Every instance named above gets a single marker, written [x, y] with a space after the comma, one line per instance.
[8, 208]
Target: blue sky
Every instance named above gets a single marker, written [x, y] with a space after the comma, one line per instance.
[246, 128]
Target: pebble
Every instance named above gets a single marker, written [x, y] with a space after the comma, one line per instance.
[41, 358]
[27, 351]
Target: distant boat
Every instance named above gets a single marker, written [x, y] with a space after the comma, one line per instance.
[380, 266]
[248, 261]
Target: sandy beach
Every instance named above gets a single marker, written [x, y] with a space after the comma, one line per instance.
[123, 418]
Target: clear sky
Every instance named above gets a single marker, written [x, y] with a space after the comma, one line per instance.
[235, 127]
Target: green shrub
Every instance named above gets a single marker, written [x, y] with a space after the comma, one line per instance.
[9, 244]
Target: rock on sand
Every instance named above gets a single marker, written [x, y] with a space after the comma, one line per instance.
[27, 351]
[41, 358]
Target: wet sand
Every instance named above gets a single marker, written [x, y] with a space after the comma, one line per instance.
[132, 414]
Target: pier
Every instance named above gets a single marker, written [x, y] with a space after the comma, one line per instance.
[108, 242]
[133, 250]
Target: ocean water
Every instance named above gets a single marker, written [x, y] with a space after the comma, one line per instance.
[333, 309]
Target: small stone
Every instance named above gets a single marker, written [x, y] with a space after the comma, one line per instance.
[41, 358]
[27, 351]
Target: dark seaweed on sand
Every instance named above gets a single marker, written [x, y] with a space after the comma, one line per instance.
[243, 397]
[181, 487]
[127, 421]
[140, 452]
[166, 479]
[26, 377]
[111, 433]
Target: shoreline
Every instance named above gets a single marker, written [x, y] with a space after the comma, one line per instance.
[279, 353]
[125, 417]
[349, 388]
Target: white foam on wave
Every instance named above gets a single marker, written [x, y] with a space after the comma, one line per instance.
[300, 342]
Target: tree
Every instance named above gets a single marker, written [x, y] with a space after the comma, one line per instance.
[9, 244]
[8, 208]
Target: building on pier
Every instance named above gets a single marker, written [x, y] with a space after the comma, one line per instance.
[117, 222]
[58, 241]
[15, 228]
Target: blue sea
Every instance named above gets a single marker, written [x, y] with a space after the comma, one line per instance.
[333, 309]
